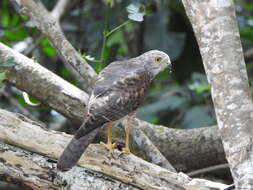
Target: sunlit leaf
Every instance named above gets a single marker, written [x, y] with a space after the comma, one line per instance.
[15, 35]
[5, 20]
[135, 12]
[133, 8]
[2, 76]
[136, 17]
[47, 48]
[15, 20]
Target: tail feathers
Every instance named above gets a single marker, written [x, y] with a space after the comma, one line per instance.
[74, 150]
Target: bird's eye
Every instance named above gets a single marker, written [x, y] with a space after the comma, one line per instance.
[158, 59]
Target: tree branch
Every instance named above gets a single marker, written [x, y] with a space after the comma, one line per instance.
[152, 153]
[44, 85]
[20, 131]
[36, 172]
[216, 30]
[49, 26]
[59, 9]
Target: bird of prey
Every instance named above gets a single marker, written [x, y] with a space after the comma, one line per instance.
[118, 91]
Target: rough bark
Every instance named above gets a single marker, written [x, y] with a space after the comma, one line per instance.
[44, 85]
[180, 147]
[216, 30]
[49, 26]
[33, 171]
[39, 172]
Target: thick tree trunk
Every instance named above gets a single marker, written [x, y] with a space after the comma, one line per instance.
[215, 26]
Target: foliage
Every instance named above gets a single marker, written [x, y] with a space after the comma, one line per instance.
[184, 106]
[46, 48]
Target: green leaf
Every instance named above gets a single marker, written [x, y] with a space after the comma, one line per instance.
[15, 20]
[138, 17]
[135, 12]
[47, 48]
[15, 35]
[5, 20]
[197, 116]
[2, 78]
[109, 1]
[64, 72]
[133, 8]
[248, 6]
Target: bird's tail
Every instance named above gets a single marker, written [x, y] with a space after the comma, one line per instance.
[72, 153]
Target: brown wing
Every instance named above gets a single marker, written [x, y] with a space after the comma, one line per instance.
[123, 97]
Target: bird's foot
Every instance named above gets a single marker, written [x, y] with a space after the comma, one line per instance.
[108, 146]
[126, 150]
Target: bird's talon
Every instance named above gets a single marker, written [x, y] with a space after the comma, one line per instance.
[108, 146]
[126, 151]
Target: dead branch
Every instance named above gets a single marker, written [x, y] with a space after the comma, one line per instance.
[37, 172]
[32, 171]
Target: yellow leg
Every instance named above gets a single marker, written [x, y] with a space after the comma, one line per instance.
[109, 144]
[130, 117]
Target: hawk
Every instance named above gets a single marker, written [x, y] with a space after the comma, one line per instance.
[118, 91]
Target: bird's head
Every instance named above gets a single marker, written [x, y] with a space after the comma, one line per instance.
[156, 61]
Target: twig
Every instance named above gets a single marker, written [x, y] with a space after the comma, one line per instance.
[20, 108]
[208, 169]
[117, 28]
[28, 101]
[59, 9]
